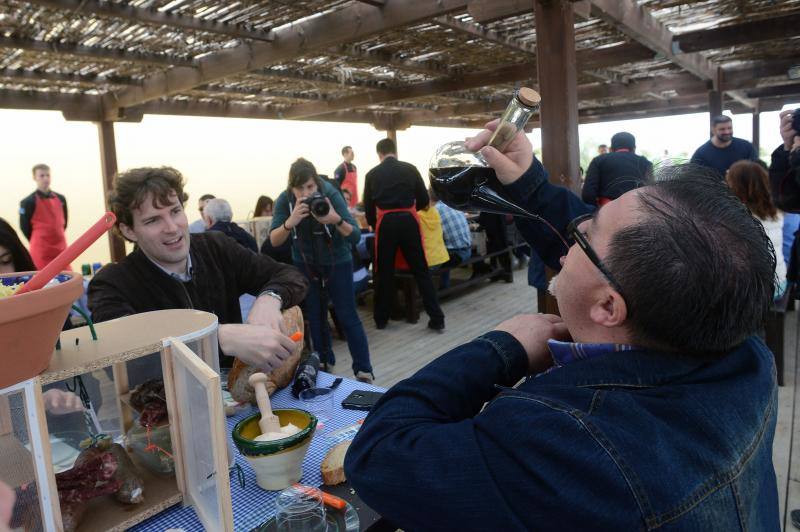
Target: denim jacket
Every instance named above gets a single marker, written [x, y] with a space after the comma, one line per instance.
[634, 440]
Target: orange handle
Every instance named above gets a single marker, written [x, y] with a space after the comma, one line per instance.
[44, 275]
[329, 500]
[296, 337]
[333, 501]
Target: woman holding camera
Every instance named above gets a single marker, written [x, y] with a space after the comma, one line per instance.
[314, 215]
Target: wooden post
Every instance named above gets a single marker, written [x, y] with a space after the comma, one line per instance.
[714, 106]
[108, 163]
[392, 134]
[555, 50]
[757, 128]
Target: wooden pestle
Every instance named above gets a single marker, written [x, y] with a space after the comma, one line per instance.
[269, 421]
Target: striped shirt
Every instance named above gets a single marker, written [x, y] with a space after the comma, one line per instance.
[564, 353]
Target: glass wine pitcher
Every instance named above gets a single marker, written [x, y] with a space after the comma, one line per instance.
[463, 180]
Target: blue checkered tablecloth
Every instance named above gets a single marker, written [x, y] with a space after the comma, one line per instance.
[252, 505]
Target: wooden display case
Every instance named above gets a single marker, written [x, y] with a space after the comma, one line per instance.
[184, 344]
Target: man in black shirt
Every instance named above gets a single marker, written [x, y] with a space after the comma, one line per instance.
[613, 174]
[723, 149]
[208, 271]
[393, 192]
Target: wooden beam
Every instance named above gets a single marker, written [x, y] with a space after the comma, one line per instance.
[637, 22]
[555, 51]
[108, 166]
[392, 134]
[50, 101]
[714, 105]
[555, 48]
[222, 109]
[91, 52]
[154, 17]
[255, 91]
[292, 40]
[756, 142]
[384, 58]
[733, 77]
[777, 27]
[42, 75]
[790, 89]
[476, 30]
[485, 11]
[616, 55]
[314, 77]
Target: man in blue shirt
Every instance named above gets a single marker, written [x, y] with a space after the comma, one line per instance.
[723, 149]
[649, 404]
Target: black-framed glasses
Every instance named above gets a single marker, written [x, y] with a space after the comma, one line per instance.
[575, 234]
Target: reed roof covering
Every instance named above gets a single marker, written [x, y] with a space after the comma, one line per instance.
[391, 63]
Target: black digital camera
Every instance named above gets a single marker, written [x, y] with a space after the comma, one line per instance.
[796, 120]
[317, 204]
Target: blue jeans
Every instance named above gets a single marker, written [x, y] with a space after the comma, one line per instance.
[790, 223]
[457, 256]
[339, 289]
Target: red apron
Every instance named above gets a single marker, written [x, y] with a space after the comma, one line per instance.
[350, 182]
[399, 260]
[47, 230]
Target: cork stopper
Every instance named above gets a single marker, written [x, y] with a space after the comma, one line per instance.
[529, 96]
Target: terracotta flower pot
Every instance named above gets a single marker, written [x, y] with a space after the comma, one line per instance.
[30, 325]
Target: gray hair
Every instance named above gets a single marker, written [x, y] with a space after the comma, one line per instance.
[218, 210]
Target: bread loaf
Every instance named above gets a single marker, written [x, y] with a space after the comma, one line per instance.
[333, 465]
[238, 384]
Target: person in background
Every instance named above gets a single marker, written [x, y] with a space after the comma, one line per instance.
[785, 164]
[172, 270]
[613, 174]
[218, 215]
[791, 223]
[393, 193]
[602, 149]
[321, 249]
[432, 237]
[43, 219]
[348, 198]
[7, 499]
[58, 401]
[723, 149]
[750, 182]
[199, 226]
[264, 206]
[456, 234]
[13, 255]
[346, 176]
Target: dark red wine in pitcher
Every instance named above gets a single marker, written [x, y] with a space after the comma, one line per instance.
[473, 188]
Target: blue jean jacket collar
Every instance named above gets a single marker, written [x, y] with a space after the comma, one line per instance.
[633, 369]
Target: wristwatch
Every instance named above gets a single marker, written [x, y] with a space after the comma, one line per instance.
[340, 222]
[273, 293]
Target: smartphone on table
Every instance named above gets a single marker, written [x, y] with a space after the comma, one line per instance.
[361, 400]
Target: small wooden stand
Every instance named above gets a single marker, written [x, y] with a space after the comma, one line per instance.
[194, 404]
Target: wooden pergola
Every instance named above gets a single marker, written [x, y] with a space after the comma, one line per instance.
[397, 63]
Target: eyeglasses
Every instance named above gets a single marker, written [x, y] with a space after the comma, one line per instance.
[574, 232]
